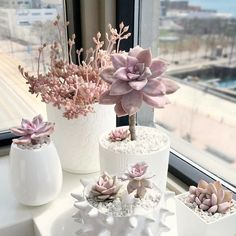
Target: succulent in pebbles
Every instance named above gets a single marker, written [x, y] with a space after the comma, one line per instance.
[106, 188]
[139, 179]
[119, 134]
[211, 197]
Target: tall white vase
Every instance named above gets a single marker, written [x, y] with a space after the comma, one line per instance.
[36, 175]
[77, 140]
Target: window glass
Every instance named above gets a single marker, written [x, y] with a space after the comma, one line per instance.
[198, 39]
[24, 27]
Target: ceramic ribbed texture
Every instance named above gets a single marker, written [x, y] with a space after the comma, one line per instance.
[77, 140]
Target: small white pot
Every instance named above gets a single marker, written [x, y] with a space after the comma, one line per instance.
[142, 223]
[190, 223]
[116, 163]
[76, 140]
[36, 175]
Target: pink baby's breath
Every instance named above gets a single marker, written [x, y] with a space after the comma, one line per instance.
[74, 88]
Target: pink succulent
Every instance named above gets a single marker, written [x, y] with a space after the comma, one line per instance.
[138, 178]
[136, 77]
[33, 131]
[119, 134]
[210, 197]
[106, 188]
[137, 170]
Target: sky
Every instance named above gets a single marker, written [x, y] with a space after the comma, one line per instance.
[225, 6]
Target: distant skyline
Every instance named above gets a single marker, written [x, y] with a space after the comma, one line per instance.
[224, 6]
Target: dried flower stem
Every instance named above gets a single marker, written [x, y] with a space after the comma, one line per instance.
[40, 51]
[132, 123]
[60, 41]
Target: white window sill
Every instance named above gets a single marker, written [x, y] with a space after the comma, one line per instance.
[54, 218]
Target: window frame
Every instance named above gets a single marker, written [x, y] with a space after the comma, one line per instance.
[180, 166]
[72, 14]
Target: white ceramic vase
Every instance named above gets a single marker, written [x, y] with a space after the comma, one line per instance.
[141, 223]
[76, 140]
[190, 223]
[116, 163]
[36, 175]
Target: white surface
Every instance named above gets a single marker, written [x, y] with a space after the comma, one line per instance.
[116, 163]
[76, 140]
[224, 226]
[53, 219]
[36, 175]
[138, 224]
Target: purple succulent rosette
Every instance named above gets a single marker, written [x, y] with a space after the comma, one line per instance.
[136, 77]
[33, 132]
[139, 179]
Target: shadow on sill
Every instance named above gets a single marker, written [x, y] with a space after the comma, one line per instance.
[4, 151]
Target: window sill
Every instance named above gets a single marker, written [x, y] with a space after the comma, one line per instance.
[53, 217]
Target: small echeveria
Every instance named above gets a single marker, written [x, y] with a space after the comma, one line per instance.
[210, 197]
[138, 179]
[119, 134]
[106, 188]
[135, 78]
[33, 132]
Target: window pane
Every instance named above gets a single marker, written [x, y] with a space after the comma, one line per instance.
[198, 38]
[24, 26]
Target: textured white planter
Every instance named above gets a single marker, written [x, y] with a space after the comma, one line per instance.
[36, 175]
[77, 140]
[141, 223]
[116, 163]
[190, 223]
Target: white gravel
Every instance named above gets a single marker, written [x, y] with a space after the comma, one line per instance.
[30, 146]
[148, 140]
[118, 208]
[205, 215]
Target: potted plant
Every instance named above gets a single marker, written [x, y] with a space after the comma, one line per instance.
[130, 205]
[133, 78]
[35, 169]
[71, 92]
[207, 209]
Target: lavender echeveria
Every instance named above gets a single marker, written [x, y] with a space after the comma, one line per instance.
[210, 197]
[119, 134]
[33, 132]
[134, 78]
[138, 178]
[106, 188]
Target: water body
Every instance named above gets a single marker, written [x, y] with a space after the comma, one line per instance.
[224, 6]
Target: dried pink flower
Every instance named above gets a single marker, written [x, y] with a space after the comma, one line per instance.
[70, 87]
[34, 131]
[210, 197]
[119, 134]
